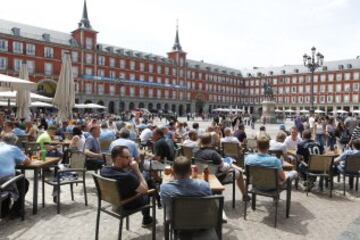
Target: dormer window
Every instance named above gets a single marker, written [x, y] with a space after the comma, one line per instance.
[296, 70]
[46, 37]
[324, 68]
[283, 71]
[341, 67]
[16, 31]
[349, 66]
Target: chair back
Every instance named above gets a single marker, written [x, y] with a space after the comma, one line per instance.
[201, 164]
[231, 149]
[187, 152]
[190, 213]
[320, 163]
[352, 165]
[31, 148]
[104, 145]
[251, 143]
[77, 159]
[107, 189]
[262, 178]
[68, 136]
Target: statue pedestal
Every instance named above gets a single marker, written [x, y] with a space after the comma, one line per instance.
[268, 112]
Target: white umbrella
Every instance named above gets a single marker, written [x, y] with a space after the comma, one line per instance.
[304, 111]
[5, 104]
[12, 94]
[23, 99]
[289, 111]
[356, 111]
[278, 110]
[14, 83]
[319, 111]
[94, 105]
[41, 104]
[64, 99]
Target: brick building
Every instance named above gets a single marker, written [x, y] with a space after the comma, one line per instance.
[119, 78]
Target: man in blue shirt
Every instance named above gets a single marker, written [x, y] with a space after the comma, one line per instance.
[125, 141]
[94, 158]
[341, 160]
[264, 159]
[106, 134]
[10, 156]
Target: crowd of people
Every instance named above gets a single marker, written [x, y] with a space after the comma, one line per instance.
[310, 136]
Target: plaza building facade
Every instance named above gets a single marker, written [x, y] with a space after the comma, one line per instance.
[336, 86]
[118, 78]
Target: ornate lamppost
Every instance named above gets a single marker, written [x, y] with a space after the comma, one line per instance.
[313, 62]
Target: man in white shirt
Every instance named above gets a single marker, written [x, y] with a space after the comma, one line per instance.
[311, 123]
[279, 144]
[293, 140]
[229, 137]
[192, 141]
[146, 135]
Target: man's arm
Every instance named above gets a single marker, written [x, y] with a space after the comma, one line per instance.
[143, 187]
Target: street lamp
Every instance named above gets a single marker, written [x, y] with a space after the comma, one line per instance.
[313, 62]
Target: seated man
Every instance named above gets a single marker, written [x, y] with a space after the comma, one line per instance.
[293, 140]
[192, 141]
[264, 159]
[262, 133]
[306, 148]
[240, 133]
[229, 137]
[94, 158]
[124, 140]
[182, 186]
[10, 156]
[130, 180]
[45, 139]
[208, 153]
[340, 161]
[279, 145]
[146, 135]
[106, 134]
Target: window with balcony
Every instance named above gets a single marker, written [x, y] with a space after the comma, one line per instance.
[141, 92]
[132, 77]
[347, 87]
[122, 91]
[151, 93]
[75, 71]
[322, 88]
[74, 56]
[30, 49]
[330, 88]
[100, 88]
[158, 94]
[101, 72]
[355, 87]
[112, 90]
[88, 71]
[17, 47]
[151, 79]
[132, 92]
[132, 65]
[3, 63]
[347, 76]
[338, 76]
[112, 74]
[338, 99]
[89, 44]
[355, 98]
[329, 99]
[151, 68]
[88, 58]
[101, 60]
[159, 69]
[88, 88]
[48, 69]
[338, 87]
[112, 62]
[48, 52]
[122, 63]
[17, 64]
[166, 93]
[356, 75]
[167, 70]
[3, 45]
[323, 77]
[142, 67]
[346, 98]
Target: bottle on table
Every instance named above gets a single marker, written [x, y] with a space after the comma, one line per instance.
[43, 154]
[206, 173]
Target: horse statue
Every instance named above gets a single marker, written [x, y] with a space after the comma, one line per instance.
[268, 91]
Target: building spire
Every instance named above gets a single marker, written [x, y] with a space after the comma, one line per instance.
[85, 22]
[177, 46]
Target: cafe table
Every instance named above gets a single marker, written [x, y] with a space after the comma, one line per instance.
[36, 165]
[214, 183]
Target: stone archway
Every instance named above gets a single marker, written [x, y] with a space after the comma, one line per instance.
[131, 106]
[200, 101]
[47, 87]
[181, 110]
[166, 107]
[88, 101]
[111, 107]
[173, 108]
[150, 106]
[122, 106]
[141, 105]
[158, 106]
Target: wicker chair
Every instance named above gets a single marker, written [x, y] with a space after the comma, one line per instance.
[194, 213]
[233, 149]
[320, 166]
[351, 170]
[4, 194]
[265, 182]
[251, 145]
[107, 191]
[201, 163]
[77, 165]
[187, 152]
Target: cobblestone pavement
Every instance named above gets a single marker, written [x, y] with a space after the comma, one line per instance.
[314, 217]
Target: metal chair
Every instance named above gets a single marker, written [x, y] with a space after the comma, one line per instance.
[233, 149]
[320, 166]
[77, 165]
[107, 191]
[193, 213]
[187, 152]
[201, 163]
[251, 144]
[351, 170]
[265, 182]
[7, 186]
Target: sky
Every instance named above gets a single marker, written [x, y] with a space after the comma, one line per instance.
[232, 33]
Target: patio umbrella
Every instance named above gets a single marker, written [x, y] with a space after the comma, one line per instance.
[12, 94]
[64, 99]
[23, 99]
[319, 111]
[14, 83]
[304, 111]
[41, 104]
